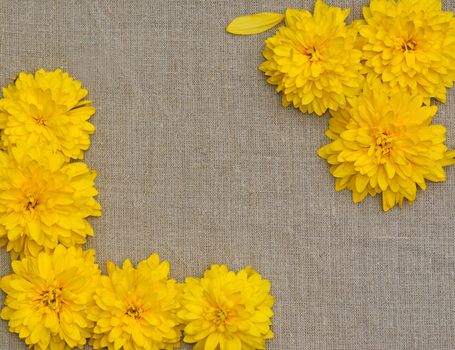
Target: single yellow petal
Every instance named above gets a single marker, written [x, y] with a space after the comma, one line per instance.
[212, 342]
[255, 23]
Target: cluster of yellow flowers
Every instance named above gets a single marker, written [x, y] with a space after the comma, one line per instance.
[44, 198]
[56, 297]
[376, 77]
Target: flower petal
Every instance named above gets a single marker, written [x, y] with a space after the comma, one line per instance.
[255, 23]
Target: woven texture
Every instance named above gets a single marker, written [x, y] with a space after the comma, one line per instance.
[198, 161]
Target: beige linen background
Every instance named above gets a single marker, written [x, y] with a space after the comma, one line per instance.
[198, 161]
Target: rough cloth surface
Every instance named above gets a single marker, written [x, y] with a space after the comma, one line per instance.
[199, 162]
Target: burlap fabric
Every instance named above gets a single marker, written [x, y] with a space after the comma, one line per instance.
[199, 162]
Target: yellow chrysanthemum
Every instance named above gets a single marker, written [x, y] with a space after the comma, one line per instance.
[47, 107]
[313, 59]
[47, 298]
[226, 310]
[410, 46]
[43, 200]
[386, 144]
[135, 309]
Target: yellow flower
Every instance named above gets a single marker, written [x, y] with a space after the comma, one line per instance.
[410, 46]
[47, 108]
[47, 298]
[386, 144]
[226, 310]
[136, 308]
[313, 59]
[43, 200]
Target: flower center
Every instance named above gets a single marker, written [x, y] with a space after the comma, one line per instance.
[31, 202]
[220, 316]
[51, 299]
[408, 45]
[384, 145]
[313, 54]
[134, 312]
[39, 120]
